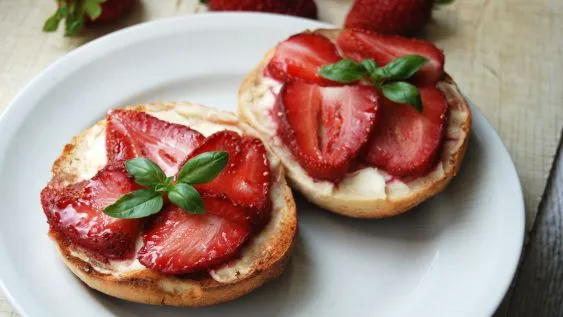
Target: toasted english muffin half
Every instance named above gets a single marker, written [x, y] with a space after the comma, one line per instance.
[263, 258]
[369, 192]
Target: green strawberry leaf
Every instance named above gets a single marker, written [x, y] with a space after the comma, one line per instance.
[403, 92]
[186, 197]
[345, 71]
[137, 204]
[92, 8]
[443, 2]
[203, 168]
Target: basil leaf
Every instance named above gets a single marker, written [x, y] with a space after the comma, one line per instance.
[203, 168]
[186, 197]
[145, 171]
[345, 71]
[137, 204]
[402, 92]
[370, 65]
[402, 67]
[165, 186]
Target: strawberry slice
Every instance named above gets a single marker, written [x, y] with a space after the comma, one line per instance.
[246, 178]
[133, 134]
[325, 127]
[406, 142]
[359, 44]
[179, 243]
[76, 212]
[301, 57]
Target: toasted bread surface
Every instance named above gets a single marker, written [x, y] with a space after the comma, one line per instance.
[390, 196]
[263, 258]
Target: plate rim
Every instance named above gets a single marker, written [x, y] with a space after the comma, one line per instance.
[136, 30]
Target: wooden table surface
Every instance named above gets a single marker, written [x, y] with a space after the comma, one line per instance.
[506, 55]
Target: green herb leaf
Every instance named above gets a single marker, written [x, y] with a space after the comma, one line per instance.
[402, 68]
[92, 8]
[165, 186]
[403, 92]
[186, 197]
[145, 171]
[203, 168]
[369, 64]
[137, 204]
[442, 2]
[345, 71]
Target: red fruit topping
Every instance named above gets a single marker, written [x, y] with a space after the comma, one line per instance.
[404, 141]
[133, 134]
[401, 17]
[179, 243]
[301, 57]
[325, 127]
[360, 44]
[246, 178]
[302, 8]
[76, 212]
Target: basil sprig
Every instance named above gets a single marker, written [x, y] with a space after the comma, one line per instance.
[200, 169]
[388, 78]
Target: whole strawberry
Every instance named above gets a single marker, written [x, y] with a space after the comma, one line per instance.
[401, 17]
[78, 13]
[302, 8]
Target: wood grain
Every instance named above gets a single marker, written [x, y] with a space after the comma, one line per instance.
[538, 289]
[506, 55]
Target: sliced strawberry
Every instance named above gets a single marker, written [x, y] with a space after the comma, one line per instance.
[133, 134]
[406, 142]
[325, 127]
[358, 44]
[246, 178]
[301, 57]
[179, 243]
[76, 212]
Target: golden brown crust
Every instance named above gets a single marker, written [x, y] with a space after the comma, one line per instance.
[261, 260]
[394, 202]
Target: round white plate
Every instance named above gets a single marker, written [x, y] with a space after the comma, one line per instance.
[454, 255]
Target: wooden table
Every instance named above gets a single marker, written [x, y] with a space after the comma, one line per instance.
[506, 55]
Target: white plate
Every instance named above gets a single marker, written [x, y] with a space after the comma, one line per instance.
[453, 256]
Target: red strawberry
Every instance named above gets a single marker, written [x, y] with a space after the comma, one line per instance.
[112, 10]
[302, 8]
[179, 242]
[301, 57]
[325, 127]
[401, 17]
[76, 212]
[133, 134]
[246, 178]
[359, 44]
[406, 142]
